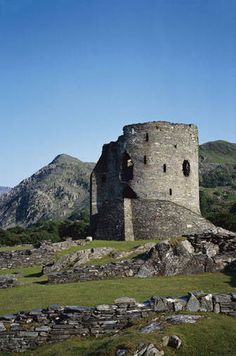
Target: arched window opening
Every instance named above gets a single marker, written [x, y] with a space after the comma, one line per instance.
[127, 168]
[164, 168]
[147, 137]
[145, 159]
[186, 168]
[175, 146]
[129, 193]
[170, 191]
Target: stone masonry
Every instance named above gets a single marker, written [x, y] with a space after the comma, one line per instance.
[146, 185]
[27, 330]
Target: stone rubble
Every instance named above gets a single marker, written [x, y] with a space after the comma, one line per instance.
[194, 254]
[7, 281]
[35, 256]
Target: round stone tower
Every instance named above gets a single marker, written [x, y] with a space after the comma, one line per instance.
[164, 161]
[145, 185]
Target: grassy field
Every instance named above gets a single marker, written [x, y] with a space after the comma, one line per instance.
[35, 293]
[116, 245]
[214, 335]
[17, 247]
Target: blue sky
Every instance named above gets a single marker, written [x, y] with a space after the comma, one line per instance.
[74, 72]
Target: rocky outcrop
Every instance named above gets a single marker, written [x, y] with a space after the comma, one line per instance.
[26, 330]
[209, 252]
[77, 259]
[58, 190]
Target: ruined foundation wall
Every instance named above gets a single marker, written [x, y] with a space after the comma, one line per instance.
[153, 219]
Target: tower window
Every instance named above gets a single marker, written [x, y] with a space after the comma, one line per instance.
[186, 168]
[147, 137]
[145, 159]
[175, 146]
[127, 167]
[164, 168]
[170, 191]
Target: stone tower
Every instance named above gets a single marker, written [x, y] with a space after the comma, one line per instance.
[145, 185]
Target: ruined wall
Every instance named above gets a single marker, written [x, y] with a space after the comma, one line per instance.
[150, 161]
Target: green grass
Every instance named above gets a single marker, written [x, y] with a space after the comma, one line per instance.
[40, 295]
[26, 275]
[17, 247]
[116, 245]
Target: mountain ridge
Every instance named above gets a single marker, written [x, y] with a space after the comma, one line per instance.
[56, 191]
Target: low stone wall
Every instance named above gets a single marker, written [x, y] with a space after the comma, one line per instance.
[127, 268]
[26, 330]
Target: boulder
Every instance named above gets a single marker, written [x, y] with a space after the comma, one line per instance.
[193, 304]
[172, 341]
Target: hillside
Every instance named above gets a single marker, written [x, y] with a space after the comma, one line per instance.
[4, 190]
[58, 190]
[218, 183]
[218, 152]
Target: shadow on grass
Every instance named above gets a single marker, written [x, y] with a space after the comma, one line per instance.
[34, 275]
[41, 282]
[232, 276]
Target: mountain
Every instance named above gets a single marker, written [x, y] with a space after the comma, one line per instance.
[218, 183]
[4, 190]
[57, 191]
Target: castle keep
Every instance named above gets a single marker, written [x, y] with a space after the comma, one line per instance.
[145, 185]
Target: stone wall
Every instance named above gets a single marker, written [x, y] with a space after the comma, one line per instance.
[27, 330]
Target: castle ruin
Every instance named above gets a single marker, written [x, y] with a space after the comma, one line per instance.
[146, 186]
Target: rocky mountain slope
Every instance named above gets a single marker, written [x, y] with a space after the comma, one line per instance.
[4, 190]
[56, 191]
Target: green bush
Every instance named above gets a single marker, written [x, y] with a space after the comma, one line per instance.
[53, 230]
